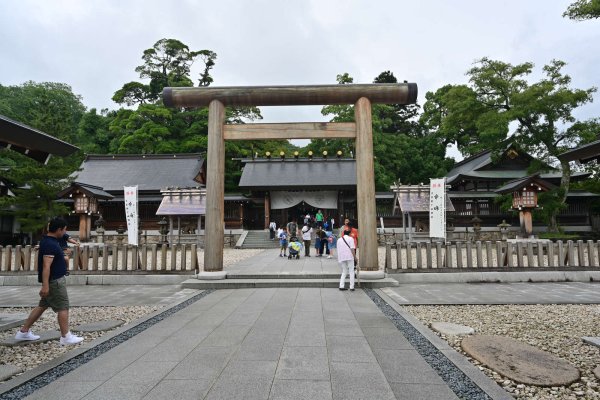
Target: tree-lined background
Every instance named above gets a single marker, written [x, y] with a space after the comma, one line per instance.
[498, 105]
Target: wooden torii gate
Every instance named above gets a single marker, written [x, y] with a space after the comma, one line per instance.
[361, 95]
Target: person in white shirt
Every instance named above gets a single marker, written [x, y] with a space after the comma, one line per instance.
[306, 236]
[272, 229]
[346, 252]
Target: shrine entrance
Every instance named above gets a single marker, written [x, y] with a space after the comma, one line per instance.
[361, 95]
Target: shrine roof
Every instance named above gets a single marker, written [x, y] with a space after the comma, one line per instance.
[302, 173]
[151, 172]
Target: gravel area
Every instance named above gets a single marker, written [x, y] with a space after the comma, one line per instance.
[30, 356]
[554, 328]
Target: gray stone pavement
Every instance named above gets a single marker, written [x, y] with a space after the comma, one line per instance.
[279, 343]
[496, 293]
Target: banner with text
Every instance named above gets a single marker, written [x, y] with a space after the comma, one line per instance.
[437, 208]
[131, 213]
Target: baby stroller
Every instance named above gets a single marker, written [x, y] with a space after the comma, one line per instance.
[294, 248]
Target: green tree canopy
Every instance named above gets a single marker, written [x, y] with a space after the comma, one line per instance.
[402, 149]
[583, 10]
[479, 116]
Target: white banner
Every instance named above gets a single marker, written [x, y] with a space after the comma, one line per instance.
[131, 213]
[319, 199]
[437, 208]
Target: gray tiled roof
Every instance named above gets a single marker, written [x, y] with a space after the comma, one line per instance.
[149, 172]
[302, 173]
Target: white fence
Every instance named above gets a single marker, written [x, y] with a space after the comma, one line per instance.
[408, 256]
[108, 258]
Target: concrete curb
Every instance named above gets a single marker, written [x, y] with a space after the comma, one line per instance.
[28, 375]
[479, 378]
[77, 279]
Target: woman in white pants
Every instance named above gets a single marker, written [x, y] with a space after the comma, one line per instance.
[346, 252]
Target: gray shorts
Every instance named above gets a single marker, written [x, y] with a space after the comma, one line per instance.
[57, 298]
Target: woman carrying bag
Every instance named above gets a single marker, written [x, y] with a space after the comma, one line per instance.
[346, 252]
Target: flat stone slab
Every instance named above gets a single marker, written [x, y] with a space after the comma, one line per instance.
[597, 372]
[10, 320]
[7, 371]
[99, 326]
[45, 336]
[593, 340]
[450, 329]
[519, 361]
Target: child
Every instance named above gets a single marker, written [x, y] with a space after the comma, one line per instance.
[331, 244]
[283, 244]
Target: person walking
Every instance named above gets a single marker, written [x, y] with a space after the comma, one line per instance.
[272, 229]
[306, 236]
[52, 271]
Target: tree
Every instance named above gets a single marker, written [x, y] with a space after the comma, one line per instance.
[583, 10]
[54, 109]
[167, 63]
[396, 134]
[35, 187]
[477, 116]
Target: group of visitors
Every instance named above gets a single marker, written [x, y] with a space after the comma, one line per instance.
[326, 242]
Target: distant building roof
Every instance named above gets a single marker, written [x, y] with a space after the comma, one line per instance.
[151, 172]
[31, 142]
[302, 173]
[183, 202]
[584, 154]
[89, 190]
[532, 180]
[511, 164]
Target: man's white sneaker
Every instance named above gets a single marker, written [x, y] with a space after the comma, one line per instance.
[29, 335]
[328, 256]
[70, 339]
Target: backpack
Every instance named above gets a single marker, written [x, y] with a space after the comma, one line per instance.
[293, 228]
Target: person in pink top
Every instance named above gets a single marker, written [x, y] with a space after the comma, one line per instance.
[346, 252]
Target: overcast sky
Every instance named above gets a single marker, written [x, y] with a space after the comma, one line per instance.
[94, 45]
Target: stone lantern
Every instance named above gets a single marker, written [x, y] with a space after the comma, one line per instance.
[163, 230]
[476, 222]
[504, 229]
[100, 228]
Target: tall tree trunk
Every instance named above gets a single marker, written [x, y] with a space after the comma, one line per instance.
[565, 181]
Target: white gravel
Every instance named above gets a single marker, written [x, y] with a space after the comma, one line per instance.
[30, 356]
[554, 328]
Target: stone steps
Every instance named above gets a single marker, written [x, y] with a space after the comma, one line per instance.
[259, 240]
[268, 281]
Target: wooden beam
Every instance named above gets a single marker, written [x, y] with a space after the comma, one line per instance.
[306, 130]
[386, 93]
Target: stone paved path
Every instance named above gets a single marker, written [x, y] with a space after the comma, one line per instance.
[285, 343]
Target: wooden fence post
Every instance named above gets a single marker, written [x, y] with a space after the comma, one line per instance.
[399, 255]
[479, 254]
[581, 254]
[509, 254]
[571, 253]
[540, 250]
[530, 254]
[520, 254]
[488, 254]
[409, 264]
[551, 262]
[419, 256]
[428, 255]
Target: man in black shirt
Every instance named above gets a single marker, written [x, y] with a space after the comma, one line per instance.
[52, 271]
